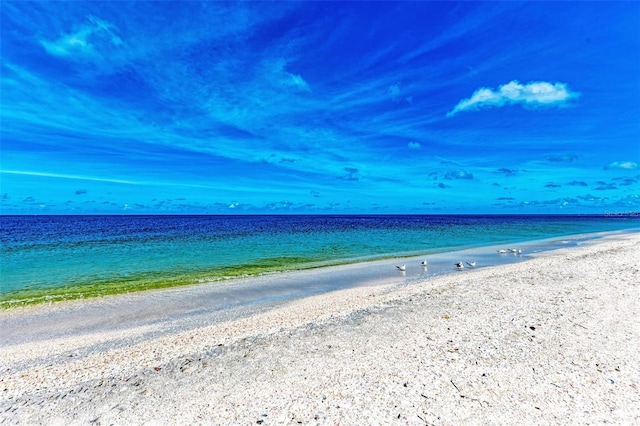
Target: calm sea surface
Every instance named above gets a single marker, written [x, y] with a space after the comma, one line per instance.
[59, 257]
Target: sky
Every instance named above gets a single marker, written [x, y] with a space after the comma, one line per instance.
[320, 107]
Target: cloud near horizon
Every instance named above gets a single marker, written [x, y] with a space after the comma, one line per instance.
[458, 174]
[533, 94]
[625, 165]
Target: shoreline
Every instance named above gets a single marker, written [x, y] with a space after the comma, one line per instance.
[533, 246]
[176, 309]
[153, 313]
[541, 341]
[105, 288]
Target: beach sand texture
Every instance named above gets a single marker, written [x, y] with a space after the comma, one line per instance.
[553, 340]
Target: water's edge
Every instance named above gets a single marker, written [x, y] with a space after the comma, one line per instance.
[160, 312]
[109, 285]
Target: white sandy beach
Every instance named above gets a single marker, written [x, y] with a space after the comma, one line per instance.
[553, 340]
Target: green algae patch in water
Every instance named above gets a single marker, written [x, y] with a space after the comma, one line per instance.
[130, 283]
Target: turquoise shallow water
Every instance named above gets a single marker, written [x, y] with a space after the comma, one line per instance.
[59, 257]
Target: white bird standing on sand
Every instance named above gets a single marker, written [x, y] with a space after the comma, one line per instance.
[472, 264]
[460, 265]
[424, 263]
[402, 268]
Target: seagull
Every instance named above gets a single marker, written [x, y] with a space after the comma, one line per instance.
[513, 250]
[471, 264]
[460, 265]
[502, 251]
[424, 263]
[402, 268]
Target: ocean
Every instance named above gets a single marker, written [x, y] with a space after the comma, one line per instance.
[49, 258]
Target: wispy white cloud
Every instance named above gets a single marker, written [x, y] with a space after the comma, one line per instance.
[533, 94]
[236, 187]
[275, 73]
[414, 145]
[91, 40]
[625, 165]
[69, 176]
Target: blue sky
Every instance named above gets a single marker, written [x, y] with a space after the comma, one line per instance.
[320, 107]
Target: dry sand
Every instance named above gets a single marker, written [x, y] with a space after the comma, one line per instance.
[553, 340]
